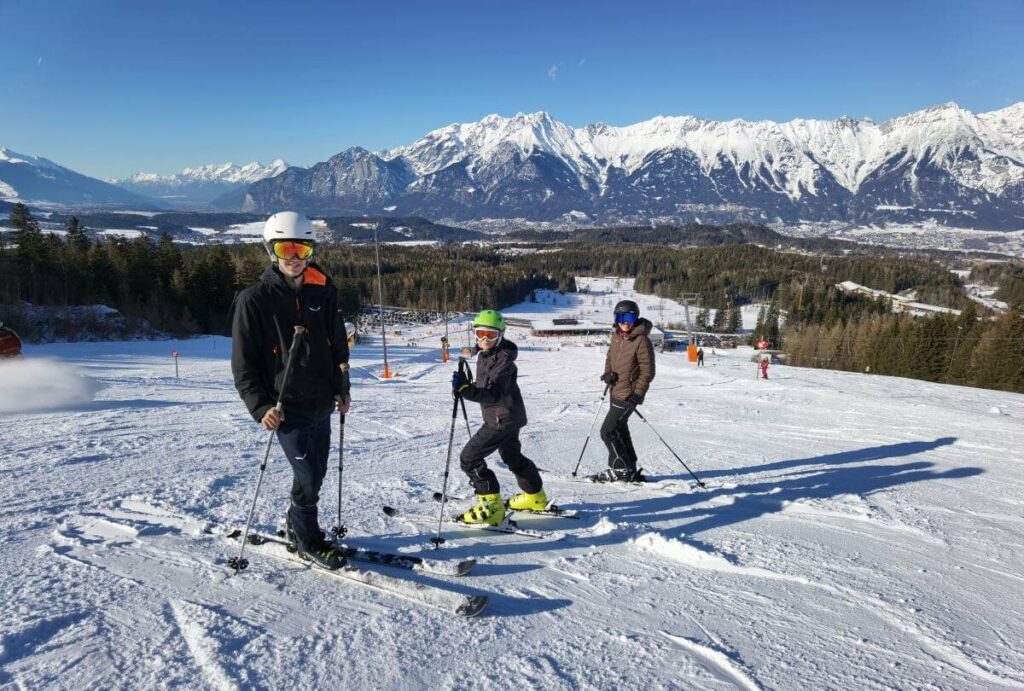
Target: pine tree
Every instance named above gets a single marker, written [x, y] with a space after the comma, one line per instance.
[28, 238]
[76, 237]
[735, 320]
[702, 319]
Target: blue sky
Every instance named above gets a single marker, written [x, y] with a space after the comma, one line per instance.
[110, 87]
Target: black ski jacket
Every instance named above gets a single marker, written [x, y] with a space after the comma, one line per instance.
[496, 388]
[263, 326]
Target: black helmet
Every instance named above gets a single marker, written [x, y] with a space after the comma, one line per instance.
[627, 306]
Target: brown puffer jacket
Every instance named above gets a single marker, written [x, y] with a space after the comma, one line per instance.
[631, 357]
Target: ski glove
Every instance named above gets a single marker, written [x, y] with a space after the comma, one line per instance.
[609, 378]
[459, 382]
[633, 400]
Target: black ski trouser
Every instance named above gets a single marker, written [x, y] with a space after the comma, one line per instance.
[615, 435]
[307, 448]
[504, 440]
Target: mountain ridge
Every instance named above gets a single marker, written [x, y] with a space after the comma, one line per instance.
[201, 184]
[941, 162]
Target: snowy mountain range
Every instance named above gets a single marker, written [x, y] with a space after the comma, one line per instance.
[201, 184]
[39, 180]
[943, 163]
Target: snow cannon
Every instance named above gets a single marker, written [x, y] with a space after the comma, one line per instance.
[10, 343]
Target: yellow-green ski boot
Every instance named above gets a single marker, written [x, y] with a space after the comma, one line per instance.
[489, 510]
[538, 501]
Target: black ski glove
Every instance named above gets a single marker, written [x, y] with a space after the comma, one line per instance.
[633, 400]
[459, 382]
[609, 378]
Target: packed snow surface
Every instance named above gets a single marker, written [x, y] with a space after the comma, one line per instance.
[42, 384]
[856, 531]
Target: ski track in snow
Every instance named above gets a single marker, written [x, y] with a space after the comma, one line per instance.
[200, 645]
[717, 660]
[856, 532]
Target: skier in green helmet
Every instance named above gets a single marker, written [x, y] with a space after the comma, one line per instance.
[501, 404]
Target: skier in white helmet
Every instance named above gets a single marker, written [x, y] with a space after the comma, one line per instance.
[292, 292]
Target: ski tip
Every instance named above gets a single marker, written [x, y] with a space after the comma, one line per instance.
[473, 605]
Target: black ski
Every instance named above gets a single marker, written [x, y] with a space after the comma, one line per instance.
[662, 485]
[509, 526]
[420, 593]
[439, 567]
[551, 510]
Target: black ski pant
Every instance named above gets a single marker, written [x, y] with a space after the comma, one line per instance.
[307, 448]
[504, 440]
[615, 435]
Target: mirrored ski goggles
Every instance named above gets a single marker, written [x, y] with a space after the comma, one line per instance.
[625, 318]
[487, 334]
[292, 249]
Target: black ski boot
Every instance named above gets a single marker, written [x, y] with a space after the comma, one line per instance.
[324, 554]
[619, 475]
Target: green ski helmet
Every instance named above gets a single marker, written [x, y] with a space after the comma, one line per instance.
[490, 319]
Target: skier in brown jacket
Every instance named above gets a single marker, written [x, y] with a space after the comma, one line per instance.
[628, 370]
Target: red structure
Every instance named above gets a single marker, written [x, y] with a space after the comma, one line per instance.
[10, 344]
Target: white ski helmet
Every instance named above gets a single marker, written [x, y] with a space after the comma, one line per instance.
[287, 225]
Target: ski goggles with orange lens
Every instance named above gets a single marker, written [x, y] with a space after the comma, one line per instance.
[293, 249]
[487, 334]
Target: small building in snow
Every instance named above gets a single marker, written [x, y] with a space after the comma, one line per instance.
[572, 327]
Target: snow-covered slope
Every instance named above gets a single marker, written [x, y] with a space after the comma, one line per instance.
[201, 184]
[856, 532]
[41, 181]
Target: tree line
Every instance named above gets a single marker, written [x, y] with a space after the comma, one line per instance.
[1007, 276]
[190, 291]
[187, 291]
[944, 348]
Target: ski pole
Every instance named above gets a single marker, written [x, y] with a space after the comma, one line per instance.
[599, 406]
[699, 483]
[339, 530]
[468, 374]
[239, 563]
[438, 540]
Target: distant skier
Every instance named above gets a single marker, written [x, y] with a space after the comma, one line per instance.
[700, 357]
[501, 404]
[764, 366]
[292, 292]
[629, 370]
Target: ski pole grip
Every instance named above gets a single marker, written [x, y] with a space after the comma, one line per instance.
[465, 370]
